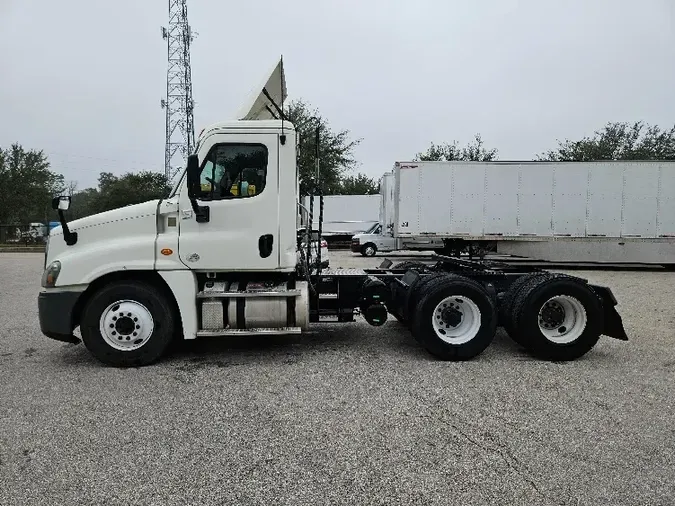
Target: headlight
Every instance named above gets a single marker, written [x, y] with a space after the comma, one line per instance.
[51, 274]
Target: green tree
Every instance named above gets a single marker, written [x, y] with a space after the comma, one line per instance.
[448, 152]
[617, 141]
[336, 149]
[358, 185]
[26, 185]
[83, 203]
[131, 188]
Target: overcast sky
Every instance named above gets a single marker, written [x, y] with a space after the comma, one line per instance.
[83, 79]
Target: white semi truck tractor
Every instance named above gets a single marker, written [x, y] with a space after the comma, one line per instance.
[219, 257]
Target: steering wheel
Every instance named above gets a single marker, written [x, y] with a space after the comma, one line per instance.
[219, 187]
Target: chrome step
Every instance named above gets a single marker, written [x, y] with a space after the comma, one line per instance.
[251, 293]
[281, 331]
[328, 296]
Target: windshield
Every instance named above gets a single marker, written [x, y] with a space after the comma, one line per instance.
[373, 229]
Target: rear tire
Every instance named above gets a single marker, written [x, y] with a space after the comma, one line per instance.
[558, 318]
[506, 306]
[369, 250]
[455, 319]
[127, 324]
[419, 290]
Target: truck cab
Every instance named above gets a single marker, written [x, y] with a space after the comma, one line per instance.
[226, 231]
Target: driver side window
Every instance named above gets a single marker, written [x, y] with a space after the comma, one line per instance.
[234, 171]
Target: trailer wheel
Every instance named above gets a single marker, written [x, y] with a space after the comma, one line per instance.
[127, 324]
[368, 250]
[558, 318]
[455, 319]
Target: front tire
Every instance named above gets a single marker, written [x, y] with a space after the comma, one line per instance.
[127, 324]
[369, 250]
[455, 319]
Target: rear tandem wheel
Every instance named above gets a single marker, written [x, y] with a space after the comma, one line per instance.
[506, 306]
[557, 317]
[455, 318]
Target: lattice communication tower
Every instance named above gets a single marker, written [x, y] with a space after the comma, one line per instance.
[179, 105]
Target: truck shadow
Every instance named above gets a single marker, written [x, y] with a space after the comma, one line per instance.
[391, 342]
[323, 343]
[323, 340]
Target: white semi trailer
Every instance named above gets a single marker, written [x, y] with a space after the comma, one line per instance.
[616, 212]
[218, 258]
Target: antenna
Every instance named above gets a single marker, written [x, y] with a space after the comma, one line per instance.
[179, 105]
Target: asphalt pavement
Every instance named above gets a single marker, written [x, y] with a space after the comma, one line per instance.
[346, 414]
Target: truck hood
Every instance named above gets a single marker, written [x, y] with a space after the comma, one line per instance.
[118, 239]
[132, 212]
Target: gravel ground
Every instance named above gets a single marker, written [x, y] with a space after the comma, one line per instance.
[344, 415]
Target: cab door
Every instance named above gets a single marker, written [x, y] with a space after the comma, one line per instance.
[239, 185]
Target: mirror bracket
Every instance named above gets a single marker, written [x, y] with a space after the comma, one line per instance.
[60, 204]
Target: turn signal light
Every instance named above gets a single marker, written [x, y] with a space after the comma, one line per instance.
[167, 251]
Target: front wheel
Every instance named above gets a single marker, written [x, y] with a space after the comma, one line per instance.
[369, 250]
[127, 324]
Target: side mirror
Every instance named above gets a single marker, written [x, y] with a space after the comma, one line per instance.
[61, 203]
[193, 176]
[193, 173]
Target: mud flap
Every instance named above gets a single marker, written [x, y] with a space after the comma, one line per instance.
[613, 326]
[386, 263]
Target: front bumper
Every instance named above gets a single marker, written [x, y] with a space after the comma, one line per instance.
[55, 311]
[356, 247]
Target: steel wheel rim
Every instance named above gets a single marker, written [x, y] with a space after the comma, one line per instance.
[126, 325]
[562, 319]
[456, 319]
[370, 251]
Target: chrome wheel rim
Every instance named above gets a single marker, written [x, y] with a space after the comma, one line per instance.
[126, 325]
[456, 319]
[562, 319]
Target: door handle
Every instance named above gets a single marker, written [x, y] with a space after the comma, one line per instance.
[265, 245]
